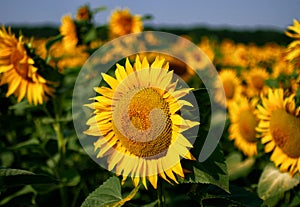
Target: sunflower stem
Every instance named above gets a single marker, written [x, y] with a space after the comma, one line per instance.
[161, 193]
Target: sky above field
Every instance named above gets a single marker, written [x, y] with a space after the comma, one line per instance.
[274, 14]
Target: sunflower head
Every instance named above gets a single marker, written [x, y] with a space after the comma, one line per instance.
[255, 80]
[83, 13]
[69, 32]
[244, 121]
[122, 22]
[279, 125]
[232, 87]
[18, 70]
[293, 51]
[138, 123]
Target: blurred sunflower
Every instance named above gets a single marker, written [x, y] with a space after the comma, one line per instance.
[18, 71]
[243, 119]
[68, 30]
[255, 79]
[146, 142]
[293, 51]
[83, 13]
[232, 87]
[122, 22]
[279, 125]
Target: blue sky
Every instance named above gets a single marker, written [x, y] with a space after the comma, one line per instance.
[274, 14]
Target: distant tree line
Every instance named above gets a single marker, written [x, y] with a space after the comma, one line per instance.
[258, 37]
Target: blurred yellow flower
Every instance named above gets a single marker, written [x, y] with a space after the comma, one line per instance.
[255, 80]
[18, 71]
[68, 30]
[243, 119]
[279, 125]
[83, 13]
[141, 141]
[207, 47]
[122, 22]
[232, 87]
[293, 52]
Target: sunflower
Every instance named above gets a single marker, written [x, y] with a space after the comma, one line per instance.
[293, 51]
[83, 13]
[68, 30]
[232, 87]
[18, 71]
[243, 123]
[279, 125]
[255, 80]
[122, 22]
[146, 142]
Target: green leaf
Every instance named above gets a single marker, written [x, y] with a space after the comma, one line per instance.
[108, 194]
[152, 204]
[99, 9]
[13, 172]
[238, 168]
[52, 41]
[90, 36]
[46, 71]
[273, 184]
[272, 83]
[17, 177]
[210, 195]
[211, 171]
[70, 177]
[147, 17]
[25, 190]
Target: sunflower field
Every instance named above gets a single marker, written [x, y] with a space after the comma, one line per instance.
[120, 115]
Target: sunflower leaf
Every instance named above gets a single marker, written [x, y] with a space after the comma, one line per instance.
[211, 171]
[273, 183]
[237, 167]
[17, 177]
[52, 41]
[108, 194]
[210, 195]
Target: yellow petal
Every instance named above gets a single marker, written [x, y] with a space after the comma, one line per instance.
[113, 83]
[145, 63]
[107, 92]
[120, 73]
[128, 66]
[138, 64]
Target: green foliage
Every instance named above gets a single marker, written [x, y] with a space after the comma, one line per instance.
[108, 194]
[273, 184]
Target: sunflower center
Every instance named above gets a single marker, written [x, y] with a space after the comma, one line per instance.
[22, 69]
[142, 122]
[247, 124]
[126, 22]
[228, 89]
[258, 82]
[285, 130]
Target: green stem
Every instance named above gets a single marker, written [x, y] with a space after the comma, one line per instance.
[161, 193]
[61, 145]
[60, 138]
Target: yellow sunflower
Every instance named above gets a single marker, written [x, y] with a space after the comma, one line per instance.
[147, 141]
[232, 87]
[68, 30]
[122, 22]
[293, 52]
[243, 119]
[255, 80]
[18, 71]
[279, 125]
[83, 13]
